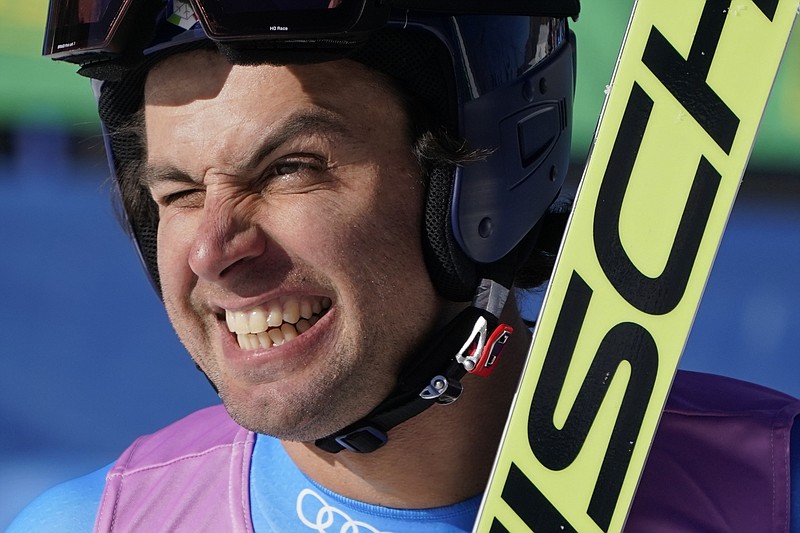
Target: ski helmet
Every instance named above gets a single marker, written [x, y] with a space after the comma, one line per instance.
[499, 76]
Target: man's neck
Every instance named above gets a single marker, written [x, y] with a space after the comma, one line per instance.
[439, 457]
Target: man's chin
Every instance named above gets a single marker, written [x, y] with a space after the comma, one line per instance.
[285, 421]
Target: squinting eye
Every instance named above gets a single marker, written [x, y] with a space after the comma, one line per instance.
[293, 166]
[294, 174]
[184, 199]
[288, 167]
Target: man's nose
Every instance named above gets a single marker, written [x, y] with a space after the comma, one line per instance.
[224, 240]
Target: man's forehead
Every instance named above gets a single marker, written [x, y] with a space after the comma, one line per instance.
[204, 74]
[199, 74]
[239, 117]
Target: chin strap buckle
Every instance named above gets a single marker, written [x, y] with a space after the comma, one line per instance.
[480, 352]
[363, 440]
[442, 389]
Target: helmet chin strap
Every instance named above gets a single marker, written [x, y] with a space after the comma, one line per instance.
[471, 342]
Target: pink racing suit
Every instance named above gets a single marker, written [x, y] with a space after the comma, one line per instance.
[720, 462]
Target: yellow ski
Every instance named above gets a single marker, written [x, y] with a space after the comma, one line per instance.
[685, 101]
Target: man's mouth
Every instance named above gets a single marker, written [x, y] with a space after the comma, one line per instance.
[275, 322]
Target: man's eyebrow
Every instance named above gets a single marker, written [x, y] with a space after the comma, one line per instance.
[306, 122]
[154, 174]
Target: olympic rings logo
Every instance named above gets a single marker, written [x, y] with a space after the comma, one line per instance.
[328, 516]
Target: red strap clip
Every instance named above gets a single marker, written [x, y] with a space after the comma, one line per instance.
[483, 351]
[492, 350]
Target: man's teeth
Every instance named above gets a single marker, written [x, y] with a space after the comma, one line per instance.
[276, 322]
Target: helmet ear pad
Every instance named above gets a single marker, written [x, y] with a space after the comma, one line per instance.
[454, 275]
[416, 61]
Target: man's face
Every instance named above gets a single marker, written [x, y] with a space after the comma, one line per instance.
[290, 211]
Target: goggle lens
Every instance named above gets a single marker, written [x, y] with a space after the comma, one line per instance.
[278, 19]
[82, 26]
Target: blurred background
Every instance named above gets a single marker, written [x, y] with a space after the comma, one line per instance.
[88, 360]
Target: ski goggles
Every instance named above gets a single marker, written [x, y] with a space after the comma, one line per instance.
[90, 30]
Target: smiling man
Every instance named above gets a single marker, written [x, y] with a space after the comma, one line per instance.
[280, 188]
[335, 203]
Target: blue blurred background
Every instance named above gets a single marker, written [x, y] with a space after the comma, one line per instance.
[89, 360]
